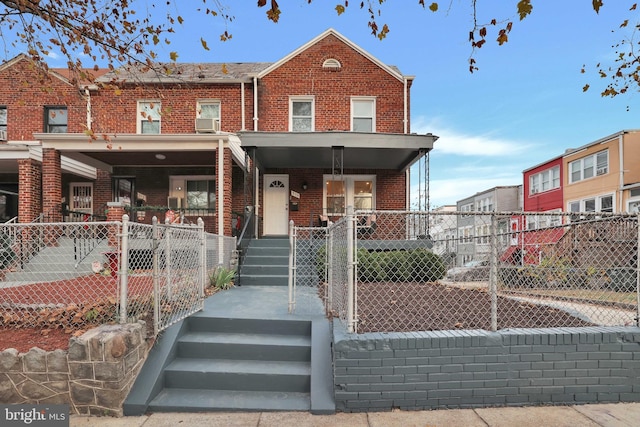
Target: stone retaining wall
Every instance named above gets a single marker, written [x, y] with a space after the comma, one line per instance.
[464, 369]
[93, 377]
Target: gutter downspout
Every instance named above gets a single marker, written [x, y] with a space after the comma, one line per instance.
[242, 110]
[255, 103]
[406, 101]
[621, 161]
[87, 95]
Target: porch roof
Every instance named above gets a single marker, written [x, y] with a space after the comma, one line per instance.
[124, 150]
[314, 149]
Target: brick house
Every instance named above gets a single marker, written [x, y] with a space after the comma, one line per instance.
[299, 139]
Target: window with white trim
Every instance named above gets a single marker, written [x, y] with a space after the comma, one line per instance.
[301, 114]
[194, 192]
[544, 181]
[603, 203]
[633, 203]
[3, 122]
[466, 234]
[353, 190]
[149, 117]
[589, 166]
[363, 114]
[206, 109]
[485, 204]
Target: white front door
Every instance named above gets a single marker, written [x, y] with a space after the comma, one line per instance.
[276, 204]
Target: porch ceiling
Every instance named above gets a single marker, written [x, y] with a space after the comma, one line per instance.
[314, 149]
[144, 150]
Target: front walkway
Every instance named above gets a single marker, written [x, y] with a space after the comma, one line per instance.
[604, 415]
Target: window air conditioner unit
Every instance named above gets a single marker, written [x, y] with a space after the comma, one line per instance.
[3, 135]
[207, 125]
[601, 171]
[175, 202]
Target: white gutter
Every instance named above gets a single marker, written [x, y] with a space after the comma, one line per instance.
[87, 95]
[255, 103]
[621, 167]
[406, 96]
[242, 109]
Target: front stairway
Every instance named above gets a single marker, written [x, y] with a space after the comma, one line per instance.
[243, 352]
[266, 263]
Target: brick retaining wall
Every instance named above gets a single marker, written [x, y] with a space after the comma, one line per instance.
[463, 369]
[93, 377]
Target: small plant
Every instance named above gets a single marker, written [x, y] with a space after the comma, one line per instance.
[222, 278]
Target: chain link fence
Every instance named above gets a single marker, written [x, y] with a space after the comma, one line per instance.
[414, 271]
[78, 275]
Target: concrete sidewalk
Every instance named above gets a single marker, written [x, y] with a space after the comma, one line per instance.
[608, 415]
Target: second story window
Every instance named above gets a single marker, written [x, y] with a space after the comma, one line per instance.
[55, 120]
[589, 166]
[301, 115]
[208, 110]
[3, 123]
[363, 115]
[545, 180]
[149, 117]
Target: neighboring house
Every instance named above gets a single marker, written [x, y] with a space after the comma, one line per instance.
[323, 128]
[443, 230]
[474, 230]
[604, 175]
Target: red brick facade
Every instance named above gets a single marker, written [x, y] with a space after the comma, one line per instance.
[115, 111]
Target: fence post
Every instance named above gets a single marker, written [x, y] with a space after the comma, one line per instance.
[123, 270]
[328, 267]
[203, 256]
[156, 268]
[291, 268]
[493, 272]
[351, 303]
[638, 272]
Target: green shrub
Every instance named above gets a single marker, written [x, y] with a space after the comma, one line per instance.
[369, 267]
[426, 266]
[395, 266]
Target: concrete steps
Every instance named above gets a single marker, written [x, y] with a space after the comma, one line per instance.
[226, 364]
[266, 263]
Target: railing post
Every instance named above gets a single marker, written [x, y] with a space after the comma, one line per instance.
[291, 280]
[351, 303]
[156, 269]
[123, 269]
[493, 272]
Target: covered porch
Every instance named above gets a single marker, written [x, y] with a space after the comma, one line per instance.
[191, 175]
[309, 177]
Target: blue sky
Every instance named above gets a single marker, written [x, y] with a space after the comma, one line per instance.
[523, 106]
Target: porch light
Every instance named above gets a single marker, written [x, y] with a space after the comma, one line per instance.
[160, 156]
[304, 185]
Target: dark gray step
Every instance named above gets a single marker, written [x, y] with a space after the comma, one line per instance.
[267, 251]
[218, 345]
[264, 280]
[200, 322]
[258, 270]
[182, 400]
[270, 243]
[266, 260]
[248, 375]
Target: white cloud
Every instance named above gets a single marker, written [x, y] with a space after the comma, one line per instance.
[458, 143]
